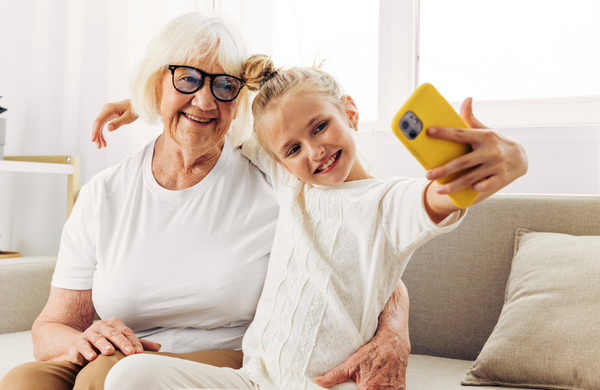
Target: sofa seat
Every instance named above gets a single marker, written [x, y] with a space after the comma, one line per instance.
[15, 348]
[436, 373]
[424, 372]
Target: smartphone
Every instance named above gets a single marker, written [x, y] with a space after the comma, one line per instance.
[424, 109]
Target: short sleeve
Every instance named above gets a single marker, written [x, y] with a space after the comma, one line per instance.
[254, 152]
[404, 218]
[76, 262]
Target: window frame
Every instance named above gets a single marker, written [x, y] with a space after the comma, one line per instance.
[399, 76]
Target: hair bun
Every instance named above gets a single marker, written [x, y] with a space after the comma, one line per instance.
[257, 70]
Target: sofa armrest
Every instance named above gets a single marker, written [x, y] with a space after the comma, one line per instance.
[24, 290]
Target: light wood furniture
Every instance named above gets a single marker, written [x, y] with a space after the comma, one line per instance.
[48, 164]
[9, 255]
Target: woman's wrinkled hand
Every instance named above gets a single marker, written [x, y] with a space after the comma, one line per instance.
[378, 365]
[381, 363]
[106, 336]
[116, 115]
[498, 159]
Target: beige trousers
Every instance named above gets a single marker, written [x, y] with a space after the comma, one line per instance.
[151, 372]
[68, 376]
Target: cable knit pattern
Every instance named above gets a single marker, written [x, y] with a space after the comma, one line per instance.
[339, 252]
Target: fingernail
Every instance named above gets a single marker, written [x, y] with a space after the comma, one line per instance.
[159, 345]
[440, 190]
[139, 350]
[90, 356]
[432, 130]
[430, 175]
[111, 127]
[107, 348]
[128, 349]
[319, 378]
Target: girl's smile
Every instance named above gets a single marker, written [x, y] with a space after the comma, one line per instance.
[329, 164]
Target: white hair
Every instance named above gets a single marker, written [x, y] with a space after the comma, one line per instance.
[212, 38]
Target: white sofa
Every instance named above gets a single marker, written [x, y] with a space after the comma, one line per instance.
[456, 284]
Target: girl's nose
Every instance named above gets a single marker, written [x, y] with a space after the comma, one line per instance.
[316, 151]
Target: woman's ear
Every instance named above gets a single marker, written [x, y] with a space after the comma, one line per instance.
[351, 110]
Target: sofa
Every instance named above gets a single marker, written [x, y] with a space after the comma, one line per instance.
[456, 282]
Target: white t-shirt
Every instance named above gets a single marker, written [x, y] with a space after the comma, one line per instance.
[181, 268]
[338, 254]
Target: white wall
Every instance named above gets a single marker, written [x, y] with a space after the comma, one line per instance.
[562, 159]
[61, 60]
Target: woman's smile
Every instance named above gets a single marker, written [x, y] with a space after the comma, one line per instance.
[197, 119]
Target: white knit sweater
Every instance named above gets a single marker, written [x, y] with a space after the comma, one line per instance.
[338, 254]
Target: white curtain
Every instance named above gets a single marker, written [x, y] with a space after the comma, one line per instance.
[60, 61]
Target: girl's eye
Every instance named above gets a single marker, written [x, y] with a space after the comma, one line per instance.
[293, 150]
[320, 127]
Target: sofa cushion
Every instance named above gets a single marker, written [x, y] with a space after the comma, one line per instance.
[436, 373]
[17, 348]
[457, 281]
[24, 290]
[548, 333]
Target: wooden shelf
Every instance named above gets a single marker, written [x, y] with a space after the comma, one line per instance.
[35, 167]
[67, 165]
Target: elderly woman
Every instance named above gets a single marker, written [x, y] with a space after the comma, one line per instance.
[170, 247]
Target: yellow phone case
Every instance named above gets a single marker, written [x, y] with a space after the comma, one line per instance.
[424, 109]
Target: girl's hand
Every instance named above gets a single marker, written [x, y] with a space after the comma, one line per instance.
[498, 159]
[118, 114]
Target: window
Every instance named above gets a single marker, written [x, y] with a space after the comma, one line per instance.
[537, 59]
[344, 33]
[510, 49]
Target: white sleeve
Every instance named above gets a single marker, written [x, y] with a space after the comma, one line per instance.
[405, 219]
[77, 255]
[254, 152]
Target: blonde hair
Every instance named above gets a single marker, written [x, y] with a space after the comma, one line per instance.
[276, 86]
[212, 38]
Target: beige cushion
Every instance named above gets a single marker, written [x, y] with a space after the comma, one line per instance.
[548, 333]
[15, 349]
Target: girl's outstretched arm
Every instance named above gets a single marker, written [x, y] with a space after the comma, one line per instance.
[116, 115]
[381, 363]
[498, 161]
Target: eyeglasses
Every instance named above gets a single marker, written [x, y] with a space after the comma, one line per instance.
[189, 80]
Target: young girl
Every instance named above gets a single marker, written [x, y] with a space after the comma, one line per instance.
[342, 242]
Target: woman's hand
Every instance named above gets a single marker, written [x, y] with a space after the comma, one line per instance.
[118, 114]
[498, 159]
[105, 336]
[65, 331]
[381, 363]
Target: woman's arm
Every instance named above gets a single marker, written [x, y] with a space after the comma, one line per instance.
[381, 363]
[65, 330]
[498, 161]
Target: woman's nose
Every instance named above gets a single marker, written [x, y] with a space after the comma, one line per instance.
[203, 98]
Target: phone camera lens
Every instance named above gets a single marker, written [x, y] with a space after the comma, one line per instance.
[405, 125]
[412, 133]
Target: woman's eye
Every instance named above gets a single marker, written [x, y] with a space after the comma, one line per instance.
[293, 150]
[190, 79]
[320, 127]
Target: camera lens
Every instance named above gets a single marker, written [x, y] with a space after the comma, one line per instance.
[405, 125]
[412, 133]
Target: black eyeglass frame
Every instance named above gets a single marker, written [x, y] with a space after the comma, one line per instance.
[172, 68]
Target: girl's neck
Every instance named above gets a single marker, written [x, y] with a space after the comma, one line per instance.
[358, 172]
